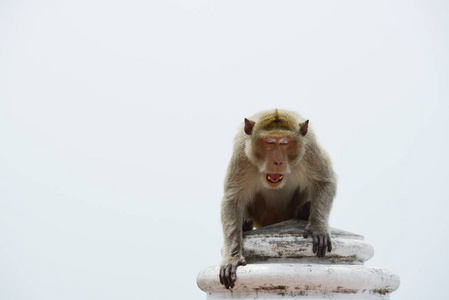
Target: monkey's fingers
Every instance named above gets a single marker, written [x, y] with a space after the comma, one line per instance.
[223, 279]
[320, 245]
[233, 275]
[323, 245]
[315, 242]
[329, 244]
[306, 234]
[227, 277]
[220, 274]
[233, 278]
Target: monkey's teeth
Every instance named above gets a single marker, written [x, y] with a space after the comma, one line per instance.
[278, 178]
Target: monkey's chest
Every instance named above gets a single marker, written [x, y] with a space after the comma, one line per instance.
[272, 207]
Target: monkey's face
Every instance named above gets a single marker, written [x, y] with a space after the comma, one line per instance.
[275, 152]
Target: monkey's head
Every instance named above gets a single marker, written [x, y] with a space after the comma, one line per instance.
[275, 143]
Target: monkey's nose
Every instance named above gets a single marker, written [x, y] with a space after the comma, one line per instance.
[276, 163]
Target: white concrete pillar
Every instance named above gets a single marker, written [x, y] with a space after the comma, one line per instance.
[281, 264]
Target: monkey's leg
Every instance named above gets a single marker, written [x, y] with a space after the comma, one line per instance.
[322, 195]
[232, 219]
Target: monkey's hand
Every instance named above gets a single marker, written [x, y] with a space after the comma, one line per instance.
[228, 270]
[321, 239]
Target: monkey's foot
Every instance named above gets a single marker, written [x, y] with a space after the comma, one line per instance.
[228, 270]
[247, 225]
[321, 240]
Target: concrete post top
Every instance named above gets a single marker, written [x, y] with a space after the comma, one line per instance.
[284, 242]
[281, 264]
[273, 281]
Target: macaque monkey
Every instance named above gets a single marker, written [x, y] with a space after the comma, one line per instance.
[277, 172]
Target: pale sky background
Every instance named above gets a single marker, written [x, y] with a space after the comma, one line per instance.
[117, 120]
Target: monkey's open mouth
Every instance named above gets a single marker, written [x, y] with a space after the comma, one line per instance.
[274, 178]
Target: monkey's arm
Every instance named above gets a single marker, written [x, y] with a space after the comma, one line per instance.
[322, 195]
[232, 219]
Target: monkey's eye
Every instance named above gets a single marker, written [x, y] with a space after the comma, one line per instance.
[271, 141]
[283, 142]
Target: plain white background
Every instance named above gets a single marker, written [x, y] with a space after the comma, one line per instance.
[117, 120]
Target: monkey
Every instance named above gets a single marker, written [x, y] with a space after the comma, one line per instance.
[277, 172]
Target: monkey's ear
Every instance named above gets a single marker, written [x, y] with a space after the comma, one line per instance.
[249, 126]
[303, 127]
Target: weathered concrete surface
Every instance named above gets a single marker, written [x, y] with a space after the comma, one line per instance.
[281, 264]
[271, 281]
[296, 227]
[284, 242]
